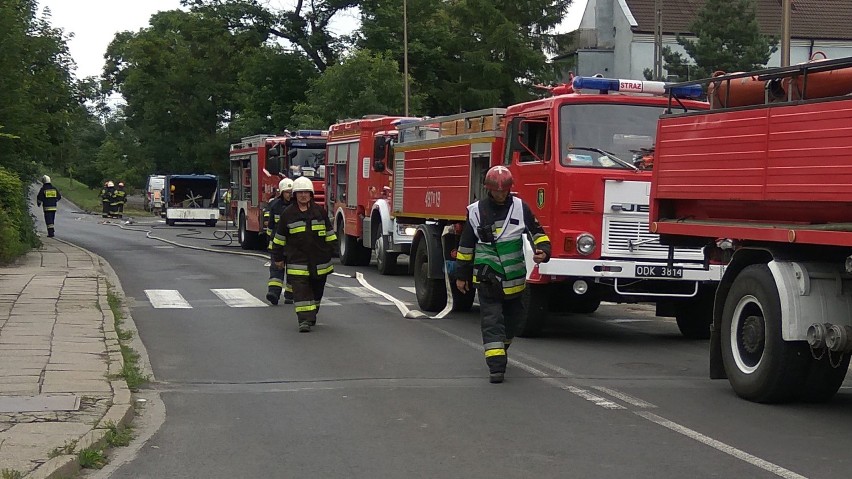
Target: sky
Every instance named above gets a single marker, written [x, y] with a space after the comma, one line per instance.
[94, 31]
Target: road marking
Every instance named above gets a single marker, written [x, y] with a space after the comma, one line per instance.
[721, 446]
[238, 298]
[620, 321]
[365, 293]
[410, 289]
[164, 247]
[166, 298]
[625, 397]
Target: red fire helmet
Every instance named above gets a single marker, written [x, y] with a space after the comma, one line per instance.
[498, 178]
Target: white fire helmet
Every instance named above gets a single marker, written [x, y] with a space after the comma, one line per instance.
[110, 184]
[285, 185]
[45, 179]
[303, 184]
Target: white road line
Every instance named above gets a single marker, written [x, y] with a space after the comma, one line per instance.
[625, 397]
[238, 298]
[721, 446]
[166, 298]
[620, 321]
[328, 302]
[410, 289]
[164, 247]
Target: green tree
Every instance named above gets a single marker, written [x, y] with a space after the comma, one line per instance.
[468, 54]
[727, 38]
[363, 83]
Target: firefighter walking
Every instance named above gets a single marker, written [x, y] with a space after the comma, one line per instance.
[305, 238]
[48, 196]
[491, 255]
[271, 217]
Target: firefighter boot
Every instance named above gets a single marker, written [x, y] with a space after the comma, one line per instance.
[272, 298]
[304, 327]
[496, 378]
[288, 294]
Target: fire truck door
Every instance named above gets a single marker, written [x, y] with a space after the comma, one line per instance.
[532, 168]
[354, 171]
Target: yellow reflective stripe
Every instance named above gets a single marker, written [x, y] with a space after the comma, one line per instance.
[325, 270]
[49, 208]
[298, 229]
[288, 288]
[514, 289]
[321, 233]
[541, 239]
[298, 272]
[331, 237]
[280, 240]
[318, 227]
[495, 352]
[50, 194]
[464, 257]
[302, 309]
[275, 282]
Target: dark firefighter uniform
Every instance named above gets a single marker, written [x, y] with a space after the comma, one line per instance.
[106, 198]
[119, 199]
[496, 265]
[277, 277]
[48, 197]
[306, 239]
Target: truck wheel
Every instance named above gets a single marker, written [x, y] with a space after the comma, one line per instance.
[431, 293]
[823, 378]
[385, 262]
[211, 223]
[348, 246]
[248, 239]
[532, 321]
[462, 302]
[170, 222]
[695, 316]
[760, 365]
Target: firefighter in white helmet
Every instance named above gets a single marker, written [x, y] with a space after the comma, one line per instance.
[271, 215]
[304, 237]
[47, 198]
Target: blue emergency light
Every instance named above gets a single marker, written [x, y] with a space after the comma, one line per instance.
[309, 133]
[635, 86]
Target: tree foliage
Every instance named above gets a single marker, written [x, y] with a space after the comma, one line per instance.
[727, 38]
[468, 54]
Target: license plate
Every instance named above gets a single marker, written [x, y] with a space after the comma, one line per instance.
[649, 271]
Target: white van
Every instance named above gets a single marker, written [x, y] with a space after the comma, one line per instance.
[154, 193]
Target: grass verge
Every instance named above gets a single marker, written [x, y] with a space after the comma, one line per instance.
[85, 197]
[131, 371]
[11, 474]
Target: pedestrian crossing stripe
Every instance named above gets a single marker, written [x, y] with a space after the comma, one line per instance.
[240, 298]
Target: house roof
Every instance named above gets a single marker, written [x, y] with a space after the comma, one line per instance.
[811, 19]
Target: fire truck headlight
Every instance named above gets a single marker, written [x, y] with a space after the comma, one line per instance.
[407, 230]
[586, 244]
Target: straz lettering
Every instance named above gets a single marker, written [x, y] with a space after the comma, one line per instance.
[631, 86]
[433, 199]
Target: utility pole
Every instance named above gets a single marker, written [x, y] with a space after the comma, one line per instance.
[658, 39]
[405, 50]
[786, 13]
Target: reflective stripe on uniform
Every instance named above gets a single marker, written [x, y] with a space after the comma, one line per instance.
[297, 270]
[325, 268]
[280, 240]
[540, 238]
[49, 208]
[303, 306]
[495, 352]
[330, 237]
[275, 282]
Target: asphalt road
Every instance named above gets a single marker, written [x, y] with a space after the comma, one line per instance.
[370, 394]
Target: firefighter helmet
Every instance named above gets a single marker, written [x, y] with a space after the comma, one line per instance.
[45, 179]
[498, 178]
[121, 184]
[285, 185]
[303, 184]
[110, 184]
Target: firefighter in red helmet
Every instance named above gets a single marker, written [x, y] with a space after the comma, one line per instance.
[491, 257]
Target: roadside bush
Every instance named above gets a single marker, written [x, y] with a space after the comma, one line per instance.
[17, 231]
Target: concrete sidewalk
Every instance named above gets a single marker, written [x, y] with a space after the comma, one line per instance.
[59, 362]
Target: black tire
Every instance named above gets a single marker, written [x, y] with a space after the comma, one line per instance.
[532, 321]
[563, 299]
[385, 261]
[823, 378]
[170, 222]
[211, 223]
[348, 246]
[760, 365]
[248, 239]
[695, 316]
[585, 304]
[431, 293]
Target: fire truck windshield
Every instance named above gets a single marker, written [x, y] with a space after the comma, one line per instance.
[308, 162]
[587, 132]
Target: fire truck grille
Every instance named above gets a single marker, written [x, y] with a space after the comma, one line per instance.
[632, 239]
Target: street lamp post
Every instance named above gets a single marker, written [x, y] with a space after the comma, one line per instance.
[405, 50]
[786, 13]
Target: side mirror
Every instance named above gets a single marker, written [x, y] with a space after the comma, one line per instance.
[516, 142]
[273, 165]
[378, 166]
[380, 148]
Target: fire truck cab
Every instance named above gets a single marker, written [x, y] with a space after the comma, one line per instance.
[257, 165]
[571, 156]
[360, 178]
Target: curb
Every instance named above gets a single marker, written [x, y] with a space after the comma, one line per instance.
[119, 414]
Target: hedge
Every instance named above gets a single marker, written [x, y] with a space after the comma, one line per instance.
[17, 230]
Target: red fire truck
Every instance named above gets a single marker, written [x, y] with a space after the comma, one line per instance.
[257, 165]
[360, 176]
[767, 188]
[570, 157]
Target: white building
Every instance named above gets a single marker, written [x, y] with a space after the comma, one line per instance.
[616, 37]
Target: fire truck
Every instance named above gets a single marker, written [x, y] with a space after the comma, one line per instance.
[570, 157]
[257, 165]
[360, 177]
[764, 182]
